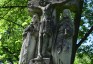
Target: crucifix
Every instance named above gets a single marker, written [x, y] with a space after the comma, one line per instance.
[46, 39]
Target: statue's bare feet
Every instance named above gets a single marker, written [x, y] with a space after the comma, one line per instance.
[39, 57]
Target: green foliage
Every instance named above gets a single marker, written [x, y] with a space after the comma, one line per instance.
[86, 19]
[85, 52]
[12, 23]
[82, 59]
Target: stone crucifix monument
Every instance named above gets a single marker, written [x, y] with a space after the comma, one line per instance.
[48, 38]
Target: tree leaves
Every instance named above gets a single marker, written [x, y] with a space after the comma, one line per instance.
[11, 28]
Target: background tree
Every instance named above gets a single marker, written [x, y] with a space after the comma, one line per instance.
[14, 18]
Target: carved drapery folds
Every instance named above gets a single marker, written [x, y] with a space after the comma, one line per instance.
[62, 49]
[48, 39]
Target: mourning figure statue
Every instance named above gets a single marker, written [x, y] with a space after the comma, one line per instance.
[62, 48]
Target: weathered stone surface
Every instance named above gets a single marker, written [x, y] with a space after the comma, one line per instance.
[47, 36]
[44, 2]
[62, 48]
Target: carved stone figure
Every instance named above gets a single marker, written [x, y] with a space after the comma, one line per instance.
[44, 39]
[47, 40]
[29, 41]
[63, 46]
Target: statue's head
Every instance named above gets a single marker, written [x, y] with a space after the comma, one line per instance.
[35, 18]
[66, 13]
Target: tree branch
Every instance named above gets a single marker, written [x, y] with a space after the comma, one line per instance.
[77, 20]
[13, 6]
[85, 37]
[12, 22]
